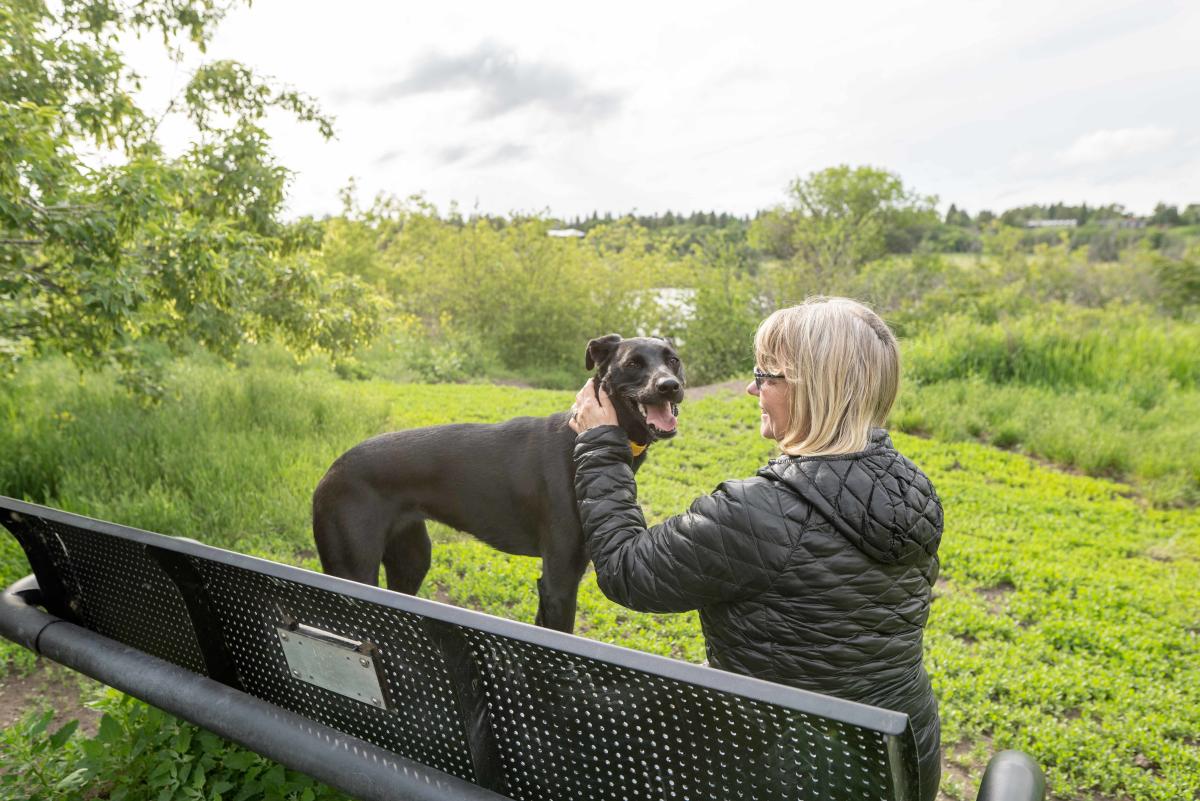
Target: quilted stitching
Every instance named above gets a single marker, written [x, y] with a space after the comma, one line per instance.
[817, 572]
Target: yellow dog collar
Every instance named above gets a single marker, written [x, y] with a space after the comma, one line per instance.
[637, 448]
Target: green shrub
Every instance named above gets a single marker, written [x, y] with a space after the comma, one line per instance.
[530, 300]
[1060, 346]
[140, 753]
[718, 340]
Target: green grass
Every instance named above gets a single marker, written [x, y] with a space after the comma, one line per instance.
[1106, 433]
[1111, 392]
[1066, 622]
[1062, 346]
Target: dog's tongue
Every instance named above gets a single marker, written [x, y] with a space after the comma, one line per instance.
[660, 416]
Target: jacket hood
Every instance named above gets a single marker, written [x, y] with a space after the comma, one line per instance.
[876, 498]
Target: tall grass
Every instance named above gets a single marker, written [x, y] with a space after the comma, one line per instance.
[230, 459]
[1095, 432]
[1064, 347]
[1113, 392]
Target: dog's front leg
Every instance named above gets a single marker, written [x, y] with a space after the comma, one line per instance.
[558, 586]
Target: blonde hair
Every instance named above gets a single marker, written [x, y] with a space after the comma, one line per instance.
[842, 365]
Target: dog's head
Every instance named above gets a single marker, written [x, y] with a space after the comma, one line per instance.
[644, 377]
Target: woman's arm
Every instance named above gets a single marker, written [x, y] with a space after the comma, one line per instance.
[710, 554]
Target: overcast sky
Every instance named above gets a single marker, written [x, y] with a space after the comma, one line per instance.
[651, 106]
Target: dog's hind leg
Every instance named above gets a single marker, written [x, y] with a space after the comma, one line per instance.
[406, 556]
[350, 529]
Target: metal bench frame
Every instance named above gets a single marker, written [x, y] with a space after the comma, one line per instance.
[215, 691]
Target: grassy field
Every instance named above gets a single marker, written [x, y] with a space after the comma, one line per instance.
[1067, 621]
[1112, 393]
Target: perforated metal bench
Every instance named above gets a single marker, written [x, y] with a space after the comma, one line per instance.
[386, 696]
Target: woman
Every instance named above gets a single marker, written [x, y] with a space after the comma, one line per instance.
[818, 571]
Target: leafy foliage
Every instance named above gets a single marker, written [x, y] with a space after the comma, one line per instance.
[141, 753]
[841, 218]
[526, 300]
[718, 336]
[1107, 345]
[106, 243]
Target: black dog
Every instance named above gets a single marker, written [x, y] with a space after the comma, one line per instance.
[510, 484]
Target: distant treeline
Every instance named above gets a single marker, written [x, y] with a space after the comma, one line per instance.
[1164, 215]
[668, 219]
[1103, 230]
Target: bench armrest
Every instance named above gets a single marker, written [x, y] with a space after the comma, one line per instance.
[1012, 776]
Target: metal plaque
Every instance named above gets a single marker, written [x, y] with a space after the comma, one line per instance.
[336, 663]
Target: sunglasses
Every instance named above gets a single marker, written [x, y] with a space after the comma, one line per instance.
[760, 377]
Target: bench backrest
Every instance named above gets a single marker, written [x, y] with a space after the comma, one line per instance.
[527, 712]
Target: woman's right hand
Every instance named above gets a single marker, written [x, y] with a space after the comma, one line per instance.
[591, 411]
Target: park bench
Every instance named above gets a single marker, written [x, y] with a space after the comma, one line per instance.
[387, 696]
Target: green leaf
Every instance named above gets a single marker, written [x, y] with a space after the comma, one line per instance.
[209, 742]
[248, 790]
[110, 730]
[183, 740]
[73, 780]
[239, 760]
[275, 777]
[63, 734]
[40, 724]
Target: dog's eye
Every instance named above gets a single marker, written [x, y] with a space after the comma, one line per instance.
[634, 363]
[673, 361]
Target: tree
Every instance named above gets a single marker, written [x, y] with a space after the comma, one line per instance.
[1178, 281]
[97, 261]
[1165, 215]
[727, 308]
[842, 217]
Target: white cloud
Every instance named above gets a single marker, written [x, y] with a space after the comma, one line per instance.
[525, 107]
[503, 82]
[1107, 146]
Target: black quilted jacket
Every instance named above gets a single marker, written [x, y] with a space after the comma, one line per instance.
[817, 572]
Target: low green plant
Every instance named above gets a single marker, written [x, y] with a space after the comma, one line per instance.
[140, 753]
[1117, 433]
[37, 765]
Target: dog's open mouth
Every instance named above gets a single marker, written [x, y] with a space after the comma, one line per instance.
[661, 418]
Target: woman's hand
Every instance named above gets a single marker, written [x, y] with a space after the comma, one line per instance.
[588, 412]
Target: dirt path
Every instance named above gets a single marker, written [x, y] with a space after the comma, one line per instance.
[48, 685]
[736, 386]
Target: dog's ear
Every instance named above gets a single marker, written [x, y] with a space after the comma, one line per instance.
[601, 349]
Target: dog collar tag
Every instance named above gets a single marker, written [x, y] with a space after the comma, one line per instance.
[637, 448]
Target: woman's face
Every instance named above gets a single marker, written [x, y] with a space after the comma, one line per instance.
[774, 405]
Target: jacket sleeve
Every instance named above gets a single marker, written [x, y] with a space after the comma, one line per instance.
[710, 554]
